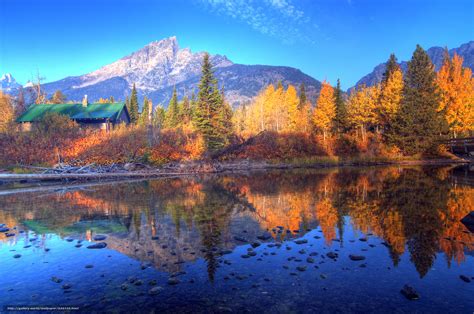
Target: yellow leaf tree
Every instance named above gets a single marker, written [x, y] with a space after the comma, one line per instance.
[390, 99]
[325, 111]
[457, 95]
[292, 104]
[361, 108]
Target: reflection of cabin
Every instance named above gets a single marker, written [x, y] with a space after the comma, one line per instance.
[102, 116]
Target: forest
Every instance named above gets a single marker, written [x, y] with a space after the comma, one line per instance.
[404, 116]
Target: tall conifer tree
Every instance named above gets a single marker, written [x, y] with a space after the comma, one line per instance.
[209, 108]
[418, 125]
[341, 112]
[303, 98]
[172, 113]
[390, 67]
[133, 106]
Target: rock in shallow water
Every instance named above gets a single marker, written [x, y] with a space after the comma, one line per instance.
[410, 293]
[155, 290]
[264, 237]
[465, 278]
[356, 257]
[301, 241]
[56, 279]
[17, 256]
[173, 281]
[100, 237]
[240, 239]
[100, 245]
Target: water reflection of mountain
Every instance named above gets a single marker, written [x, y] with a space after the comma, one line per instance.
[167, 222]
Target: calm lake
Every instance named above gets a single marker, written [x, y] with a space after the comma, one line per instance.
[331, 240]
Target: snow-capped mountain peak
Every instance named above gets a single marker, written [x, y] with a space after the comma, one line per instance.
[159, 64]
[8, 83]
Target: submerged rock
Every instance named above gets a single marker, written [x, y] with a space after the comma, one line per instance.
[17, 256]
[410, 293]
[465, 278]
[332, 255]
[356, 257]
[100, 237]
[240, 239]
[155, 290]
[301, 241]
[67, 286]
[56, 279]
[255, 244]
[100, 245]
[264, 237]
[301, 268]
[173, 281]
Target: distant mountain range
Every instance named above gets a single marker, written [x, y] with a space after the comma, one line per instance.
[161, 65]
[436, 54]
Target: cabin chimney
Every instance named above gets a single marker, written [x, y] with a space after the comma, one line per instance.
[84, 101]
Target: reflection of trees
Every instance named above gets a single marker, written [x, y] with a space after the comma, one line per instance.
[211, 217]
[419, 199]
[420, 210]
[455, 237]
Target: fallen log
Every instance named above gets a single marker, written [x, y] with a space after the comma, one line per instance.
[7, 177]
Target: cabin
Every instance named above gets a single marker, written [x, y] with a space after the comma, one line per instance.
[103, 116]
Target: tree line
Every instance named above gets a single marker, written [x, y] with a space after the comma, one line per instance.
[410, 111]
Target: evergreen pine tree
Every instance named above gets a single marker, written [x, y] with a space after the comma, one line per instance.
[159, 117]
[172, 113]
[341, 112]
[225, 119]
[390, 67]
[418, 125]
[143, 119]
[185, 109]
[208, 107]
[133, 106]
[303, 98]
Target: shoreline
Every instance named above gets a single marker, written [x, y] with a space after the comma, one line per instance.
[202, 167]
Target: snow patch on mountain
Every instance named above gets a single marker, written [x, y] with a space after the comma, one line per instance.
[157, 65]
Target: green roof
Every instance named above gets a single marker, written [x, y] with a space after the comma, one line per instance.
[111, 111]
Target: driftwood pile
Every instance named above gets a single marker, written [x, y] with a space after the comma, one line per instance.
[63, 168]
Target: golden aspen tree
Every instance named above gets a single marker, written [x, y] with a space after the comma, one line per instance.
[325, 111]
[279, 109]
[390, 99]
[361, 109]
[457, 95]
[292, 106]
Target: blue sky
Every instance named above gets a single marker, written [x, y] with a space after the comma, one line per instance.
[327, 39]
